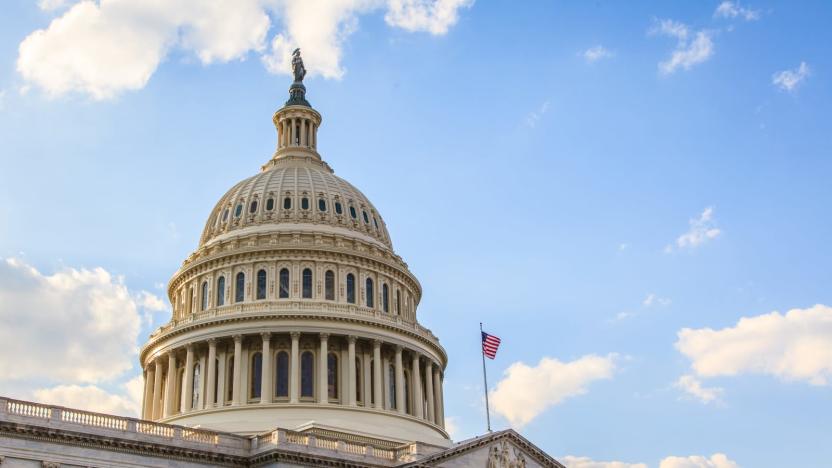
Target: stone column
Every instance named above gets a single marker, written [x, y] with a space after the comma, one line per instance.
[400, 406]
[266, 375]
[377, 402]
[221, 378]
[431, 416]
[439, 397]
[351, 380]
[303, 129]
[170, 386]
[157, 389]
[323, 394]
[294, 369]
[188, 386]
[236, 387]
[366, 371]
[200, 384]
[212, 373]
[147, 412]
[416, 383]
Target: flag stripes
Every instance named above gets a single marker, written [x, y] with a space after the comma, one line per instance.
[490, 343]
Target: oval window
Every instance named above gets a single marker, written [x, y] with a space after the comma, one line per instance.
[338, 209]
[375, 223]
[270, 204]
[366, 219]
[253, 207]
[304, 203]
[287, 203]
[238, 210]
[352, 212]
[321, 204]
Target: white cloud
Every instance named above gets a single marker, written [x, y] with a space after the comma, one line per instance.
[452, 426]
[52, 5]
[788, 80]
[653, 300]
[702, 229]
[584, 462]
[594, 54]
[691, 48]
[525, 392]
[694, 388]
[729, 9]
[717, 460]
[431, 16]
[107, 47]
[534, 116]
[93, 398]
[795, 346]
[152, 302]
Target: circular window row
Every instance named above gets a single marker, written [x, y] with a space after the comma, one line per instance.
[304, 205]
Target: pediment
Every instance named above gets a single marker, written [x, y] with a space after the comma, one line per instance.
[505, 449]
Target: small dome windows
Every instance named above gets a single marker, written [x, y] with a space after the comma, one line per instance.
[352, 212]
[270, 204]
[366, 219]
[338, 209]
[252, 208]
[287, 203]
[375, 223]
[321, 204]
[238, 210]
[225, 215]
[304, 203]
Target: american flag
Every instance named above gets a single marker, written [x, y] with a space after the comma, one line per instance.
[490, 343]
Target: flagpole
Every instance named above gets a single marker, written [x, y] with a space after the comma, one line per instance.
[485, 383]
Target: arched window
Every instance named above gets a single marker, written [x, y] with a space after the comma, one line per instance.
[225, 215]
[370, 292]
[284, 283]
[287, 203]
[351, 288]
[270, 204]
[391, 393]
[385, 297]
[240, 287]
[352, 212]
[366, 219]
[195, 387]
[358, 395]
[261, 284]
[252, 208]
[238, 210]
[216, 381]
[332, 375]
[304, 203]
[307, 374]
[204, 304]
[307, 283]
[398, 302]
[321, 204]
[338, 208]
[256, 375]
[221, 291]
[281, 387]
[329, 285]
[408, 408]
[229, 380]
[375, 223]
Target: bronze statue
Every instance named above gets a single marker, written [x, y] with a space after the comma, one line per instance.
[297, 66]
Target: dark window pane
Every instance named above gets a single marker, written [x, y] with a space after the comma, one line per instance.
[398, 302]
[392, 390]
[284, 283]
[261, 284]
[282, 375]
[240, 288]
[332, 375]
[204, 304]
[370, 292]
[338, 209]
[352, 212]
[304, 203]
[366, 219]
[287, 203]
[238, 210]
[321, 204]
[307, 374]
[375, 223]
[270, 204]
[252, 208]
[385, 298]
[225, 215]
[329, 285]
[307, 283]
[358, 380]
[229, 376]
[351, 288]
[256, 374]
[221, 291]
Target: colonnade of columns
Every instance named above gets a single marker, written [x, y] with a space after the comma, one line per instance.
[294, 368]
[296, 131]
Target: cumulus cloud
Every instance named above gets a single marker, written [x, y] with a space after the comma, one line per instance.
[152, 302]
[694, 388]
[729, 9]
[692, 48]
[107, 47]
[52, 5]
[92, 398]
[525, 392]
[702, 229]
[594, 54]
[717, 460]
[796, 346]
[584, 462]
[788, 80]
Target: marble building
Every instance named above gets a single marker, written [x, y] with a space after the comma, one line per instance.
[294, 341]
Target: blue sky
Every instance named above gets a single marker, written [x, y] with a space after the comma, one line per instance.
[547, 168]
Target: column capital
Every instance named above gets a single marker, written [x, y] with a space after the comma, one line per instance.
[171, 353]
[416, 355]
[295, 335]
[238, 338]
[376, 343]
[266, 336]
[189, 346]
[324, 336]
[398, 349]
[212, 341]
[351, 339]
